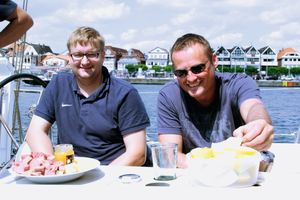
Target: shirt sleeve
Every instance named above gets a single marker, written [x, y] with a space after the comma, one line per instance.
[246, 89]
[168, 119]
[6, 9]
[45, 108]
[132, 113]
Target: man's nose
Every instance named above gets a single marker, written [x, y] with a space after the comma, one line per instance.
[85, 59]
[191, 76]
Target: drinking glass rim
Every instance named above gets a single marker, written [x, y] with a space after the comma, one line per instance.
[163, 145]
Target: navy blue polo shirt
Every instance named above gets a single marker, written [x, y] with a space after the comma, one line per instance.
[6, 8]
[94, 125]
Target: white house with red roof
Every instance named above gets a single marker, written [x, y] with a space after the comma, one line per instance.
[288, 58]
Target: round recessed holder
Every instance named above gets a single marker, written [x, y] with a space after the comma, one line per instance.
[129, 178]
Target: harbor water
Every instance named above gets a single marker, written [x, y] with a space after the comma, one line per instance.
[282, 103]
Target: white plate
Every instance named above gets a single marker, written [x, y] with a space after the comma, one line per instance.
[61, 178]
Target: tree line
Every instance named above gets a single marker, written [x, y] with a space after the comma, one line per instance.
[250, 70]
[270, 70]
[134, 68]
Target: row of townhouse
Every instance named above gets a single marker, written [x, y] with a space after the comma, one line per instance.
[36, 55]
[260, 58]
[117, 58]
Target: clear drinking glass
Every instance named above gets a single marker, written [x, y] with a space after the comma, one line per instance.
[164, 156]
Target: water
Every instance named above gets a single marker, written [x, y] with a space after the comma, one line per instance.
[282, 104]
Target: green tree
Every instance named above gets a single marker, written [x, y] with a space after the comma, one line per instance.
[237, 69]
[283, 70]
[273, 70]
[169, 68]
[157, 68]
[131, 68]
[144, 67]
[250, 70]
[225, 69]
[295, 70]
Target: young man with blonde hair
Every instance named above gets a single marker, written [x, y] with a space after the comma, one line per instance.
[101, 116]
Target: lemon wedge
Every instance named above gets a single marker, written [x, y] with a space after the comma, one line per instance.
[205, 153]
[241, 151]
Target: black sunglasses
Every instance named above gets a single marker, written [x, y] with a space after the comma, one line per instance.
[195, 69]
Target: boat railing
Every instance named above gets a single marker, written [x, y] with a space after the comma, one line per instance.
[298, 136]
[16, 114]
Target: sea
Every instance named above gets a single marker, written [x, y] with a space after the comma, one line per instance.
[282, 104]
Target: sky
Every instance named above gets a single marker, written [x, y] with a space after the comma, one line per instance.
[147, 24]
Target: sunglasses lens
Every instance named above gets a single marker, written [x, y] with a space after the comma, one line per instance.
[180, 73]
[198, 69]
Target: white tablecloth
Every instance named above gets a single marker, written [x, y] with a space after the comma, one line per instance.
[282, 181]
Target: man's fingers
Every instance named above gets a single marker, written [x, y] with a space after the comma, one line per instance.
[239, 132]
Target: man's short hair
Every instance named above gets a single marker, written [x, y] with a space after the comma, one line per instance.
[86, 35]
[190, 39]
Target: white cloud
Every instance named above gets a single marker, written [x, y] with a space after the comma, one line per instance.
[281, 13]
[148, 45]
[179, 33]
[229, 39]
[108, 36]
[172, 3]
[239, 3]
[91, 12]
[287, 36]
[273, 17]
[129, 35]
[184, 18]
[157, 30]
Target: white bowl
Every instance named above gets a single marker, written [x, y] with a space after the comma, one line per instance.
[224, 171]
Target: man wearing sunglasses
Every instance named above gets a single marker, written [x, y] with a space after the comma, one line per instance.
[101, 116]
[203, 106]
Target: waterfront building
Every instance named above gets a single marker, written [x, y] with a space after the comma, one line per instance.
[55, 61]
[112, 56]
[288, 58]
[268, 58]
[237, 57]
[223, 57]
[33, 54]
[157, 56]
[252, 57]
[133, 56]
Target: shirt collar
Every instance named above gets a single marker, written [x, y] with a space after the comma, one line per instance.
[103, 88]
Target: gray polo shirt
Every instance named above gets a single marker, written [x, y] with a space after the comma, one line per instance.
[179, 113]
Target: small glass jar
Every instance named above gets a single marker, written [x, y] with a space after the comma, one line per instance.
[65, 153]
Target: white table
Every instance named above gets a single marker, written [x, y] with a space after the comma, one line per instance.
[282, 181]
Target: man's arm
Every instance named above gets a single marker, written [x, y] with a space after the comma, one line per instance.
[37, 135]
[20, 22]
[135, 154]
[175, 138]
[258, 131]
